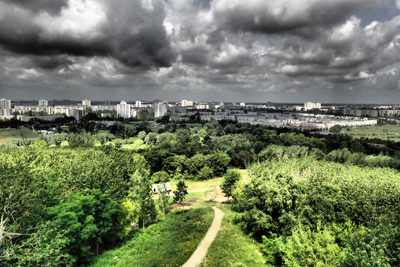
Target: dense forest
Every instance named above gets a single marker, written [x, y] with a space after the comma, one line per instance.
[312, 200]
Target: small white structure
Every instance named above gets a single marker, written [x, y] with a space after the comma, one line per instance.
[167, 187]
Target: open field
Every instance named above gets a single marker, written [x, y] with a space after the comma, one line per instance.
[193, 185]
[385, 132]
[7, 135]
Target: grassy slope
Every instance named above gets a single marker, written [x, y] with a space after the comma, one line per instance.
[172, 241]
[232, 247]
[168, 243]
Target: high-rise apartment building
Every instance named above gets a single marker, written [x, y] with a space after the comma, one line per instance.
[43, 102]
[124, 110]
[86, 103]
[310, 105]
[159, 108]
[5, 107]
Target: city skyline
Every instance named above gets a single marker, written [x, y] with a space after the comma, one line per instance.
[346, 51]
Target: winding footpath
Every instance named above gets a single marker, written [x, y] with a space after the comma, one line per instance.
[201, 250]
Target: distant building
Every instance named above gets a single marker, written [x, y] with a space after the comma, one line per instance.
[310, 105]
[242, 104]
[86, 103]
[138, 104]
[124, 110]
[5, 107]
[43, 102]
[186, 103]
[160, 108]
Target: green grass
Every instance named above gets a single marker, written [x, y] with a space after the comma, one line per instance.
[385, 132]
[193, 185]
[232, 247]
[7, 135]
[170, 242]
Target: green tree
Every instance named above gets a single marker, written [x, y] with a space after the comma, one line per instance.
[150, 138]
[335, 129]
[140, 192]
[229, 182]
[88, 221]
[206, 173]
[142, 135]
[163, 197]
[181, 192]
[160, 177]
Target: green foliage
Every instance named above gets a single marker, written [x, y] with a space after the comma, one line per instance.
[205, 173]
[142, 135]
[170, 242]
[87, 222]
[335, 129]
[159, 177]
[229, 183]
[308, 248]
[180, 192]
[47, 246]
[140, 192]
[150, 138]
[41, 143]
[126, 217]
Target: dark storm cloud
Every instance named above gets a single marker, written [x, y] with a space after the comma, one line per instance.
[131, 33]
[275, 17]
[52, 7]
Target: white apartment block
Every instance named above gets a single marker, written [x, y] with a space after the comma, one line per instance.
[86, 103]
[310, 105]
[160, 108]
[124, 110]
[186, 103]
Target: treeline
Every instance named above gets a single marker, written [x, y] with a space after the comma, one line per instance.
[317, 213]
[61, 207]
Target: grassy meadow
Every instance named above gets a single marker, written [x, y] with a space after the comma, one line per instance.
[7, 135]
[385, 132]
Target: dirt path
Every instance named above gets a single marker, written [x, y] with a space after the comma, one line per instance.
[201, 250]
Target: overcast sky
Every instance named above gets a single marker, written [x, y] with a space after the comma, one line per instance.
[221, 50]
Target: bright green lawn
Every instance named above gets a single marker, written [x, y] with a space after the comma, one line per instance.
[232, 247]
[170, 242]
[391, 132]
[7, 135]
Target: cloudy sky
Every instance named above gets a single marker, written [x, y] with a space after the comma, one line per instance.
[215, 50]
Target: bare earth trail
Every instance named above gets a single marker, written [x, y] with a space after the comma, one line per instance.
[201, 250]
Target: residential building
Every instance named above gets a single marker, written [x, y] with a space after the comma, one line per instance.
[86, 103]
[159, 108]
[124, 110]
[43, 102]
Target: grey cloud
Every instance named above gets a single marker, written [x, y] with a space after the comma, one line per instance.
[272, 17]
[52, 7]
[133, 34]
